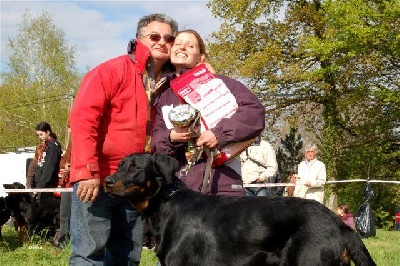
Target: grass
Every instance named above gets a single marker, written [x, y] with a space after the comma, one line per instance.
[384, 249]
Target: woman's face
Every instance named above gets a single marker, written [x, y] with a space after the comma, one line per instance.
[185, 52]
[43, 135]
[310, 154]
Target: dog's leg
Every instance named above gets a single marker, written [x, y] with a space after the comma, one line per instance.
[21, 235]
[16, 226]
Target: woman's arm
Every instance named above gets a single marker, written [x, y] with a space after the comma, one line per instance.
[247, 122]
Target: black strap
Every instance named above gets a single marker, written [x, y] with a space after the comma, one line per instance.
[254, 160]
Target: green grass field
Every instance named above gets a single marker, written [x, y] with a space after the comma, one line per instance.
[384, 249]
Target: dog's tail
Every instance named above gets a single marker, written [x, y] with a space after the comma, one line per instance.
[356, 249]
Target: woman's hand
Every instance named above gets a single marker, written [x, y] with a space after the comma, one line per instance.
[180, 134]
[208, 139]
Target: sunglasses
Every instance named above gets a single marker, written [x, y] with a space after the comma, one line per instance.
[155, 37]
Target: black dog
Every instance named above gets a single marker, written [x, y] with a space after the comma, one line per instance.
[13, 200]
[41, 218]
[196, 229]
[5, 214]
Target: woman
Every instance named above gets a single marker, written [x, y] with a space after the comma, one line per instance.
[246, 123]
[30, 173]
[311, 176]
[345, 215]
[47, 169]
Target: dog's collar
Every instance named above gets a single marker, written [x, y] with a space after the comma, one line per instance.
[156, 192]
[168, 192]
[172, 192]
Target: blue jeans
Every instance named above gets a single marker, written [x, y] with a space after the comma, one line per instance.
[106, 232]
[257, 191]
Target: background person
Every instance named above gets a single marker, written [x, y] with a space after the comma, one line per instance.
[30, 173]
[248, 122]
[62, 237]
[346, 216]
[110, 119]
[259, 166]
[47, 168]
[311, 176]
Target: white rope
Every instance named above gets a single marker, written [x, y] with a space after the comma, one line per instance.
[270, 185]
[245, 185]
[327, 182]
[59, 189]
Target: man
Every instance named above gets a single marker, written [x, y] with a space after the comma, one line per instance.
[259, 166]
[311, 176]
[109, 120]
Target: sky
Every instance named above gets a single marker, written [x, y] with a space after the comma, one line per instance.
[100, 30]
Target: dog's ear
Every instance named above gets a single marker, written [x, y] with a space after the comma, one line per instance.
[166, 165]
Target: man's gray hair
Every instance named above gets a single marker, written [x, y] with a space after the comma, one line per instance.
[146, 20]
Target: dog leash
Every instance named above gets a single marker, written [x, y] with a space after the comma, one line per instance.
[207, 172]
[195, 157]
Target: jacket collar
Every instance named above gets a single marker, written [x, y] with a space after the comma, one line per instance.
[139, 54]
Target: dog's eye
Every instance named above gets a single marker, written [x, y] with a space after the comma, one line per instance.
[121, 163]
[132, 167]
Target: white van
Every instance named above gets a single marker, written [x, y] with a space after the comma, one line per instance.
[13, 167]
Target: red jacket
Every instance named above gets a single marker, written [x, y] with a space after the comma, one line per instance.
[109, 116]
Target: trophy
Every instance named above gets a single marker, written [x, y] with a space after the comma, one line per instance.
[183, 115]
[186, 116]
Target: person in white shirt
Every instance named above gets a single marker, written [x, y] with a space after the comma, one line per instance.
[311, 176]
[259, 165]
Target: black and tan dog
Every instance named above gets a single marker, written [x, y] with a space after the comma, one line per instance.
[29, 215]
[13, 200]
[196, 229]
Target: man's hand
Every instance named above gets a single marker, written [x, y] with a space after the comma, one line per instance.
[88, 190]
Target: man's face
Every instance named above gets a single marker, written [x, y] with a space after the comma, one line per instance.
[160, 49]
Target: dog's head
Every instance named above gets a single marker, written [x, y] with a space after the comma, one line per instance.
[15, 185]
[140, 176]
[15, 199]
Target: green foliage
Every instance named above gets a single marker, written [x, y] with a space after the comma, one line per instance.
[383, 219]
[290, 155]
[329, 68]
[39, 82]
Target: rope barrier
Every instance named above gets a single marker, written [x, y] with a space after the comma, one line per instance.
[59, 189]
[270, 185]
[245, 185]
[326, 183]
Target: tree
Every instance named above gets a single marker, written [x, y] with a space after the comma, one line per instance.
[332, 65]
[39, 83]
[290, 155]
